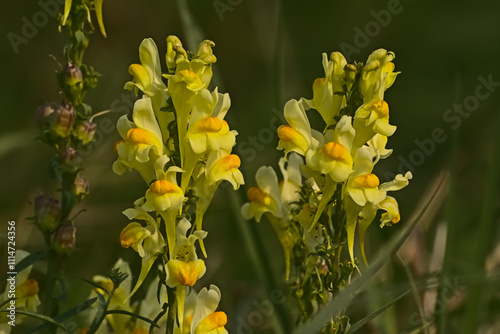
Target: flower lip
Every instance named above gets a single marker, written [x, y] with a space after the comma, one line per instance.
[367, 181]
[380, 107]
[232, 161]
[257, 195]
[162, 187]
[211, 322]
[208, 124]
[336, 151]
[138, 136]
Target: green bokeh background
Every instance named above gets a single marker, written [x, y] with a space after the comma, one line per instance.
[441, 49]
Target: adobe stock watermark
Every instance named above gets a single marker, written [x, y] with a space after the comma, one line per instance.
[450, 290]
[453, 117]
[31, 25]
[252, 145]
[363, 36]
[223, 6]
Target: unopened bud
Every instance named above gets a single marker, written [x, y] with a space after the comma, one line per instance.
[85, 131]
[350, 74]
[175, 51]
[65, 239]
[71, 157]
[81, 187]
[62, 121]
[48, 212]
[72, 74]
[43, 114]
[205, 53]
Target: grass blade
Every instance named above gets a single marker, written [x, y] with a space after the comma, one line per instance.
[98, 13]
[483, 239]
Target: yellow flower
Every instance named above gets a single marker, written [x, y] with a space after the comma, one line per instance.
[377, 75]
[142, 141]
[164, 193]
[207, 128]
[224, 166]
[266, 197]
[334, 157]
[147, 240]
[328, 92]
[148, 78]
[297, 135]
[205, 318]
[372, 118]
[364, 195]
[377, 147]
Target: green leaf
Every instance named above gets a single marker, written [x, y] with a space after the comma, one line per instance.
[69, 313]
[39, 317]
[67, 8]
[435, 197]
[140, 317]
[98, 12]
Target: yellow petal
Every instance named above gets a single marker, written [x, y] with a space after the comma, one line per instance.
[186, 273]
[211, 322]
[336, 151]
[138, 136]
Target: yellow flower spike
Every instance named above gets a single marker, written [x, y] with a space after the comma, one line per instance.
[212, 323]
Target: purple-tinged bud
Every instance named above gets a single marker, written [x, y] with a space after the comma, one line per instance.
[81, 187]
[72, 74]
[85, 131]
[48, 212]
[44, 112]
[62, 121]
[65, 239]
[71, 157]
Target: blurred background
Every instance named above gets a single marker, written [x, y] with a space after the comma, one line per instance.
[447, 52]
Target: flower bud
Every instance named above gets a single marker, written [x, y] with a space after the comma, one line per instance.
[80, 187]
[85, 131]
[48, 212]
[175, 52]
[71, 157]
[350, 75]
[65, 239]
[204, 52]
[44, 112]
[62, 121]
[72, 75]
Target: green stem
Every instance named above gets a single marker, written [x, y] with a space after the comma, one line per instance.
[171, 311]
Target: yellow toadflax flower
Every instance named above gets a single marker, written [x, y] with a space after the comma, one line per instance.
[372, 118]
[377, 75]
[147, 240]
[142, 141]
[206, 320]
[297, 135]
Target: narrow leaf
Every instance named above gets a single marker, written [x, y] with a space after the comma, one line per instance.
[98, 12]
[39, 317]
[70, 313]
[67, 8]
[140, 317]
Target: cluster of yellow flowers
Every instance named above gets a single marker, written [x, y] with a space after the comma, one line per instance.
[180, 144]
[335, 164]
